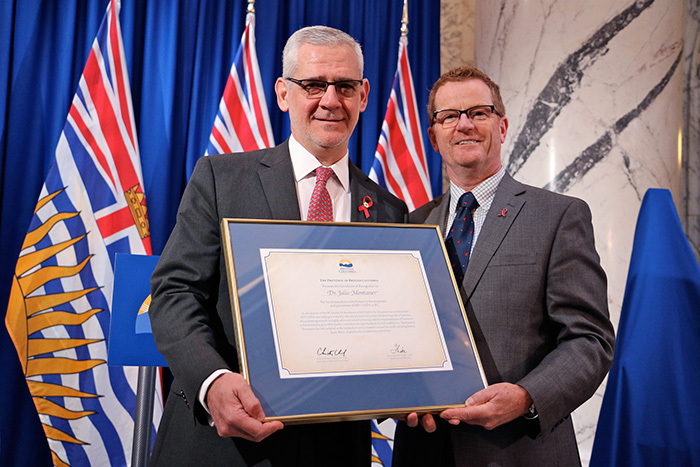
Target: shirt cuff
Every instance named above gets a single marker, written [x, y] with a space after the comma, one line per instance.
[202, 394]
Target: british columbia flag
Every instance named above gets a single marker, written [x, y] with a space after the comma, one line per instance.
[243, 122]
[399, 163]
[399, 166]
[92, 206]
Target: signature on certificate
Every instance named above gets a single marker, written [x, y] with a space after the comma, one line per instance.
[331, 352]
[397, 349]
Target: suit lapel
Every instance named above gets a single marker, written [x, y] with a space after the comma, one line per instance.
[360, 187]
[438, 213]
[277, 177]
[508, 197]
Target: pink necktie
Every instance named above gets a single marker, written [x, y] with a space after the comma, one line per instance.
[320, 206]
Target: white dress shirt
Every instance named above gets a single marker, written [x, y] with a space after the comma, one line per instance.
[484, 193]
[338, 185]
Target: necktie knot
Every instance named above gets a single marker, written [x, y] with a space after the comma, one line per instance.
[323, 174]
[467, 201]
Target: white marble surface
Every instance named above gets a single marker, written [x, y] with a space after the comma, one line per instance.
[594, 95]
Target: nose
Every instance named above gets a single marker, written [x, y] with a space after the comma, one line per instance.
[330, 98]
[464, 122]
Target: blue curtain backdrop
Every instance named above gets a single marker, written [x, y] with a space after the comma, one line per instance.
[178, 55]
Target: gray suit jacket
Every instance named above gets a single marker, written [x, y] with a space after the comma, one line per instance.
[192, 320]
[536, 298]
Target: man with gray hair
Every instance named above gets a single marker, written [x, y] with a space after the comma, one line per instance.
[212, 416]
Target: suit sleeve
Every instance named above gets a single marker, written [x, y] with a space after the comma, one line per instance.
[576, 306]
[184, 288]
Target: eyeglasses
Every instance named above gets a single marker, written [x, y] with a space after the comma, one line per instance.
[316, 88]
[450, 117]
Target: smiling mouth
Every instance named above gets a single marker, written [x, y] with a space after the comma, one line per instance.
[330, 123]
[328, 119]
[471, 141]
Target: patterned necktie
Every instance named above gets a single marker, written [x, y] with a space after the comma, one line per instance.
[320, 206]
[459, 240]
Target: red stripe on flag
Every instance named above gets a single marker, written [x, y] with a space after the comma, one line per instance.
[119, 72]
[408, 169]
[238, 116]
[219, 138]
[109, 124]
[411, 106]
[250, 71]
[390, 180]
[90, 140]
[115, 222]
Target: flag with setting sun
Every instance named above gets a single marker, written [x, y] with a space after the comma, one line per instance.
[91, 206]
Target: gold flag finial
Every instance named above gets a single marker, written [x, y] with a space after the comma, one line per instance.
[251, 6]
[404, 19]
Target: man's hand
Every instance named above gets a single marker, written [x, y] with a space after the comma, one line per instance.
[491, 407]
[426, 420]
[236, 411]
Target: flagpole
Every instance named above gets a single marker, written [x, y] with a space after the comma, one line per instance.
[404, 19]
[143, 416]
[145, 401]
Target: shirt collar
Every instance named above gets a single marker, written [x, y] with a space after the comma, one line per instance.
[483, 192]
[304, 163]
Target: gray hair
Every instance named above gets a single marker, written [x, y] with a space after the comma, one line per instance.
[316, 35]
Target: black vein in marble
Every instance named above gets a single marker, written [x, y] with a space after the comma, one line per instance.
[564, 82]
[601, 148]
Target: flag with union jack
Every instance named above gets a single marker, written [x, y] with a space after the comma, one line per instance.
[91, 207]
[399, 163]
[242, 123]
[399, 166]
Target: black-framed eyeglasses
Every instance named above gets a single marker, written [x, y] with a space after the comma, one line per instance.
[316, 88]
[450, 117]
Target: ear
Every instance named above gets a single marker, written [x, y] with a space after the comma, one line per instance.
[281, 91]
[433, 139]
[503, 128]
[364, 92]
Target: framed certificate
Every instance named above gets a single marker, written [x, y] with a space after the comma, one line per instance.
[348, 321]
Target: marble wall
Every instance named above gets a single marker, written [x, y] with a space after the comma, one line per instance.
[603, 100]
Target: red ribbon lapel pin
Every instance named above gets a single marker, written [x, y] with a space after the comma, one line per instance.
[366, 204]
[503, 213]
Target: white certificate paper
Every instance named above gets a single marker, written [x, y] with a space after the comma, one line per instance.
[352, 312]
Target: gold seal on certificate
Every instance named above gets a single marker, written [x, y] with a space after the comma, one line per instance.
[347, 321]
[352, 312]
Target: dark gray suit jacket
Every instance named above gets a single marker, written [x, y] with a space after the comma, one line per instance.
[536, 298]
[192, 320]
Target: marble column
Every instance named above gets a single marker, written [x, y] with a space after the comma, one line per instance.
[691, 114]
[594, 95]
